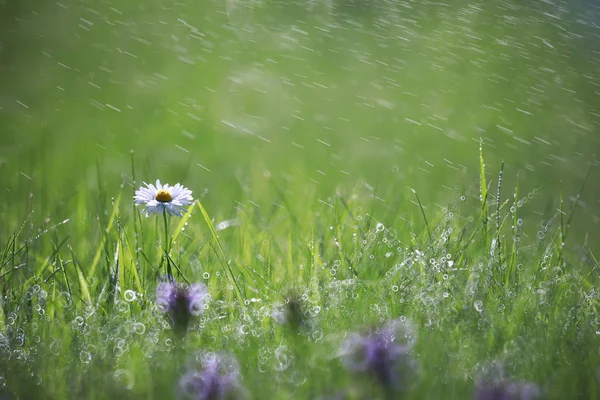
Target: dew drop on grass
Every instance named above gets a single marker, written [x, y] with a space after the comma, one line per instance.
[379, 227]
[124, 378]
[317, 335]
[130, 295]
[85, 357]
[122, 306]
[478, 305]
[426, 300]
[206, 275]
[315, 311]
[64, 299]
[541, 235]
[139, 328]
[56, 347]
[283, 358]
[37, 379]
[395, 288]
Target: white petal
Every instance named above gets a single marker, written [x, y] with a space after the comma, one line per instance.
[175, 191]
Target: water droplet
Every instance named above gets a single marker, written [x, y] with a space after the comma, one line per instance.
[139, 328]
[478, 305]
[283, 358]
[124, 378]
[317, 335]
[85, 357]
[130, 295]
[64, 299]
[122, 306]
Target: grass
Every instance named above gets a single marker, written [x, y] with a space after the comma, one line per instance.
[78, 317]
[347, 163]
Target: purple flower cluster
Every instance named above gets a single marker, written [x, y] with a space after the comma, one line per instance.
[181, 302]
[385, 354]
[217, 378]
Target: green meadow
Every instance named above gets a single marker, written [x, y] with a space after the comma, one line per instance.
[352, 163]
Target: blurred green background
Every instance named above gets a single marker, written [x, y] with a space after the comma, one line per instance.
[315, 95]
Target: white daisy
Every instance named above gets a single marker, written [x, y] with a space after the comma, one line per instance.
[160, 198]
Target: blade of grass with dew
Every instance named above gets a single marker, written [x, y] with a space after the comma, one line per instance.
[183, 221]
[515, 232]
[107, 231]
[83, 285]
[561, 227]
[131, 261]
[220, 253]
[423, 214]
[51, 257]
[498, 193]
[483, 193]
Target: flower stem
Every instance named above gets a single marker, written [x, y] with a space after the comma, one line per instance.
[167, 246]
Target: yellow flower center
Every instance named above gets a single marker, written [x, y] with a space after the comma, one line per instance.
[163, 196]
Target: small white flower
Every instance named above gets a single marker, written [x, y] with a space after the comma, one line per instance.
[160, 198]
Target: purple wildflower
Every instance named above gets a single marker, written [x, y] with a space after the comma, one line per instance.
[384, 353]
[181, 302]
[216, 379]
[505, 390]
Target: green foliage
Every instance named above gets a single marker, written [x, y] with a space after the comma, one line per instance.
[332, 147]
[78, 318]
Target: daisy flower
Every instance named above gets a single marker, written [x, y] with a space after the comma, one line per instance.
[163, 198]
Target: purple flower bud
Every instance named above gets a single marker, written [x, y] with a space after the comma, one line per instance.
[217, 378]
[181, 302]
[384, 353]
